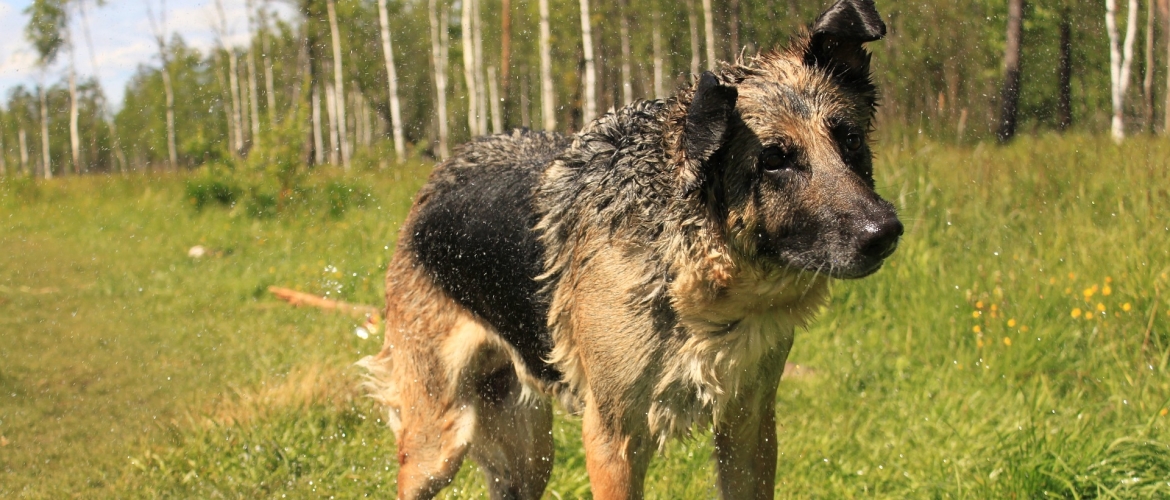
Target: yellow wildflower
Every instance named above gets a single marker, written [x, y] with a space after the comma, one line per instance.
[1108, 279]
[1072, 276]
[1012, 323]
[1107, 291]
[1024, 329]
[1164, 412]
[979, 305]
[976, 314]
[1126, 307]
[1100, 307]
[1088, 314]
[994, 308]
[979, 343]
[1088, 292]
[977, 329]
[1051, 281]
[1007, 341]
[1076, 312]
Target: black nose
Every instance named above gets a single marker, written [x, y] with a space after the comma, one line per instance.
[879, 237]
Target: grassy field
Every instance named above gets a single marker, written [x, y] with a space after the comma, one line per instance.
[1016, 346]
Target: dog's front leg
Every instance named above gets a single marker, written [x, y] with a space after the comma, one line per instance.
[745, 436]
[616, 459]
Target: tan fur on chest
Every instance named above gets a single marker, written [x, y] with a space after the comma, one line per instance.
[723, 341]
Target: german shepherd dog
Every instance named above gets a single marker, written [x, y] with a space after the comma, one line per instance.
[648, 271]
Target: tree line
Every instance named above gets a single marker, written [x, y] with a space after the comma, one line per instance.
[370, 82]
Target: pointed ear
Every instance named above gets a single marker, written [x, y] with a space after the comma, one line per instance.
[708, 119]
[838, 35]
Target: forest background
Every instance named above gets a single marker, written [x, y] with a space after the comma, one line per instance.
[942, 70]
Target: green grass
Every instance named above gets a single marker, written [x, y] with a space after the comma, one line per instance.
[128, 369]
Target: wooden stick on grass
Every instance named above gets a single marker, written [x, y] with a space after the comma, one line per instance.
[304, 299]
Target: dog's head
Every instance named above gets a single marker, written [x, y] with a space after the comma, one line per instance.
[778, 146]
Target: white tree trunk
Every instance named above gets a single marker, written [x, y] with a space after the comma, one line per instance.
[627, 84]
[269, 82]
[169, 88]
[693, 22]
[74, 138]
[590, 111]
[709, 29]
[1148, 70]
[338, 84]
[494, 97]
[46, 155]
[318, 139]
[1120, 61]
[237, 102]
[439, 59]
[22, 137]
[659, 84]
[481, 96]
[467, 37]
[253, 95]
[547, 103]
[392, 78]
[334, 129]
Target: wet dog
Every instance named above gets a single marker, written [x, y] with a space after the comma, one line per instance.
[649, 271]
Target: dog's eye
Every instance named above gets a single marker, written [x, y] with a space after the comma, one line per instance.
[774, 159]
[852, 141]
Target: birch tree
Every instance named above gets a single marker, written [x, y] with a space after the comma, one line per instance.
[590, 111]
[46, 154]
[22, 138]
[693, 23]
[227, 80]
[1010, 94]
[266, 56]
[1064, 74]
[392, 81]
[505, 57]
[158, 26]
[656, 43]
[1120, 61]
[46, 32]
[469, 73]
[481, 96]
[338, 84]
[439, 60]
[547, 102]
[627, 85]
[253, 83]
[709, 30]
[318, 139]
[1148, 70]
[494, 99]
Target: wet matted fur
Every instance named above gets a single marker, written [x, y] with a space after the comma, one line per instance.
[650, 271]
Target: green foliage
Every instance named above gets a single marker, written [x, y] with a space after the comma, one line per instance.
[210, 188]
[46, 29]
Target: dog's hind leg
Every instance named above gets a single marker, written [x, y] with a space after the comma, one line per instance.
[513, 441]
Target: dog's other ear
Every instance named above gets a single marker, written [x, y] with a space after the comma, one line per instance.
[838, 35]
[708, 119]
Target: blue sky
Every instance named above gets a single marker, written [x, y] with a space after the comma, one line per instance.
[121, 37]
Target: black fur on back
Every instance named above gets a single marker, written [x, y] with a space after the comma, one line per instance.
[473, 233]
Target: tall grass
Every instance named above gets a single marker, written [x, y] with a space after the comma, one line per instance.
[1016, 346]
